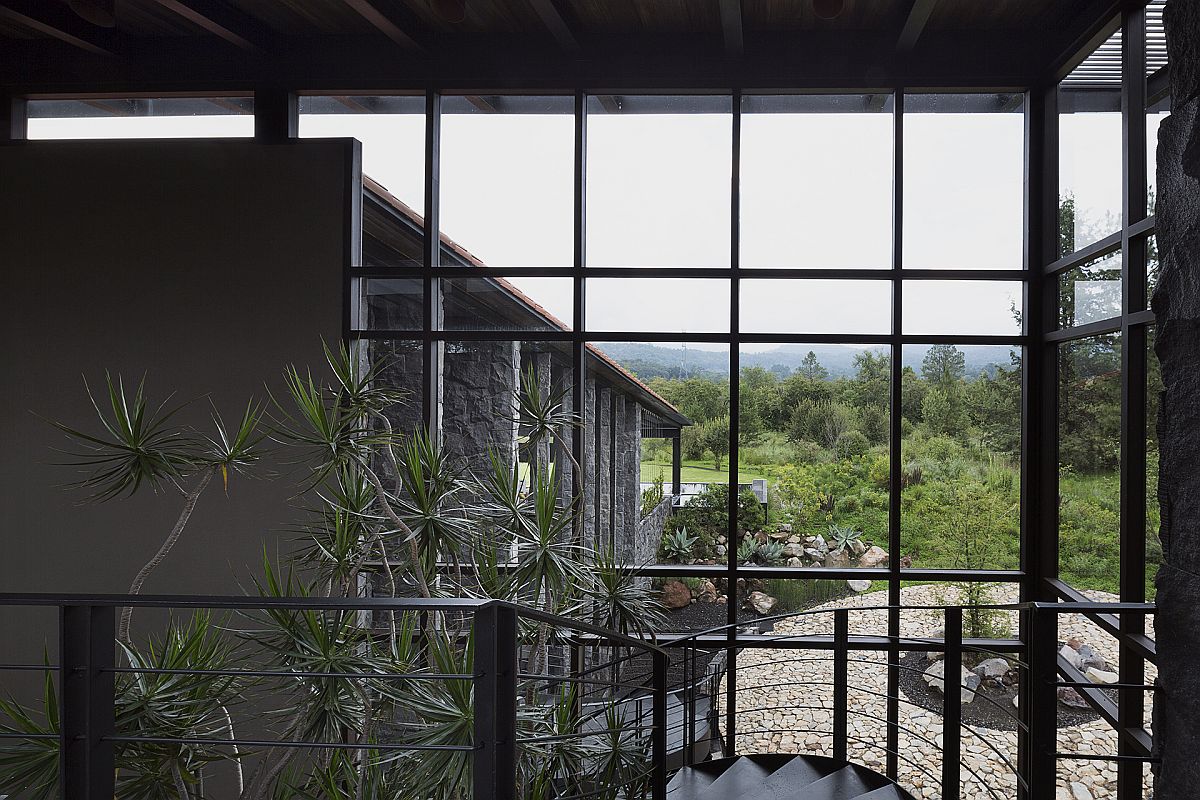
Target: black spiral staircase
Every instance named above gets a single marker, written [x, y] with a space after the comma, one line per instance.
[781, 777]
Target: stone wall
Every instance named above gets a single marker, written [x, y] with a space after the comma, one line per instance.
[479, 385]
[1176, 307]
[650, 531]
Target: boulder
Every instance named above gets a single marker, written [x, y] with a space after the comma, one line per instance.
[905, 562]
[859, 586]
[761, 602]
[722, 550]
[875, 556]
[785, 527]
[993, 668]
[1090, 658]
[1071, 655]
[857, 548]
[792, 551]
[1069, 697]
[795, 562]
[676, 594]
[708, 592]
[837, 559]
[969, 681]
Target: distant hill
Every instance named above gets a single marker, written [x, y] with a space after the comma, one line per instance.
[651, 360]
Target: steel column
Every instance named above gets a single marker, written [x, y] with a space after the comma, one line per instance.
[88, 654]
[495, 701]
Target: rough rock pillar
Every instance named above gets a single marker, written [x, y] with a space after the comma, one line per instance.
[590, 487]
[1177, 342]
[604, 455]
[620, 470]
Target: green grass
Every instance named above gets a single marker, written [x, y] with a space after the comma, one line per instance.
[696, 472]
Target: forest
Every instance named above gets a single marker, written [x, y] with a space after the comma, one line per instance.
[821, 441]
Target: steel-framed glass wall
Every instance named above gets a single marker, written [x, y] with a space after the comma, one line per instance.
[1099, 268]
[682, 241]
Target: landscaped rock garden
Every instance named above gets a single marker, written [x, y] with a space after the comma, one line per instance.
[843, 548]
[787, 707]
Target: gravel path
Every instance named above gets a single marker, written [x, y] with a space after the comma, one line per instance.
[785, 706]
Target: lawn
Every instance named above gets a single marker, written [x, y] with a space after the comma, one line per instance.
[695, 472]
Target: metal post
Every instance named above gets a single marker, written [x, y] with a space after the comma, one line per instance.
[841, 659]
[88, 636]
[276, 116]
[1040, 694]
[677, 464]
[495, 767]
[14, 118]
[658, 741]
[952, 704]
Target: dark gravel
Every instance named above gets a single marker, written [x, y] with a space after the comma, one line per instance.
[1000, 715]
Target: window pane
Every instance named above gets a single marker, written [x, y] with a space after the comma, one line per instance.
[1155, 114]
[1089, 446]
[141, 118]
[816, 181]
[1089, 152]
[669, 305]
[962, 307]
[813, 428]
[642, 399]
[392, 132]
[1090, 292]
[521, 304]
[399, 366]
[815, 306]
[507, 178]
[389, 304]
[963, 181]
[658, 181]
[961, 456]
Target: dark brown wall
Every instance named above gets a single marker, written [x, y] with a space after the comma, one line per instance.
[205, 265]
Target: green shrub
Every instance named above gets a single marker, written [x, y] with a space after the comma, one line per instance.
[678, 546]
[654, 495]
[849, 505]
[798, 594]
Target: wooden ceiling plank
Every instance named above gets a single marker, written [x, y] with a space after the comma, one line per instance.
[389, 24]
[59, 22]
[552, 17]
[731, 27]
[914, 26]
[221, 20]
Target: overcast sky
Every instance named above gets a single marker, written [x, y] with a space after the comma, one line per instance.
[815, 192]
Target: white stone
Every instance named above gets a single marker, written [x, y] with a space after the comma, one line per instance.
[859, 586]
[1101, 676]
[1079, 791]
[992, 668]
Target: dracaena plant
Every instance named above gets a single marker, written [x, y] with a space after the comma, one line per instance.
[138, 445]
[386, 509]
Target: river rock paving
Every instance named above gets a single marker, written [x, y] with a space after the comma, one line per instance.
[785, 705]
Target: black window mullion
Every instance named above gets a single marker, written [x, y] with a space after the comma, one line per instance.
[734, 420]
[1131, 705]
[432, 307]
[895, 465]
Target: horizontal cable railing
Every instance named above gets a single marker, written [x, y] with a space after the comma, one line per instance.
[489, 702]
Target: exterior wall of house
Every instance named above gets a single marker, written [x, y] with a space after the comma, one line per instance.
[204, 266]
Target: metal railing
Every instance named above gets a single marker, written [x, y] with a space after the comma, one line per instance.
[504, 690]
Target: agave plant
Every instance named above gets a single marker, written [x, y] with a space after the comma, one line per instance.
[747, 551]
[678, 545]
[770, 552]
[843, 536]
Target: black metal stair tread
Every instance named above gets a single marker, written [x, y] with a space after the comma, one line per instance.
[743, 777]
[883, 793]
[787, 781]
[845, 784]
[688, 782]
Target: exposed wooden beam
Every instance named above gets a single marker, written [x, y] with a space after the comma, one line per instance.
[731, 26]
[390, 23]
[914, 26]
[59, 22]
[221, 20]
[552, 17]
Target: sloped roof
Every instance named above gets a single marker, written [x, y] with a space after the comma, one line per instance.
[623, 378]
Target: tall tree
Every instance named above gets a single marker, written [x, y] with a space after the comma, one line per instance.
[811, 368]
[943, 365]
